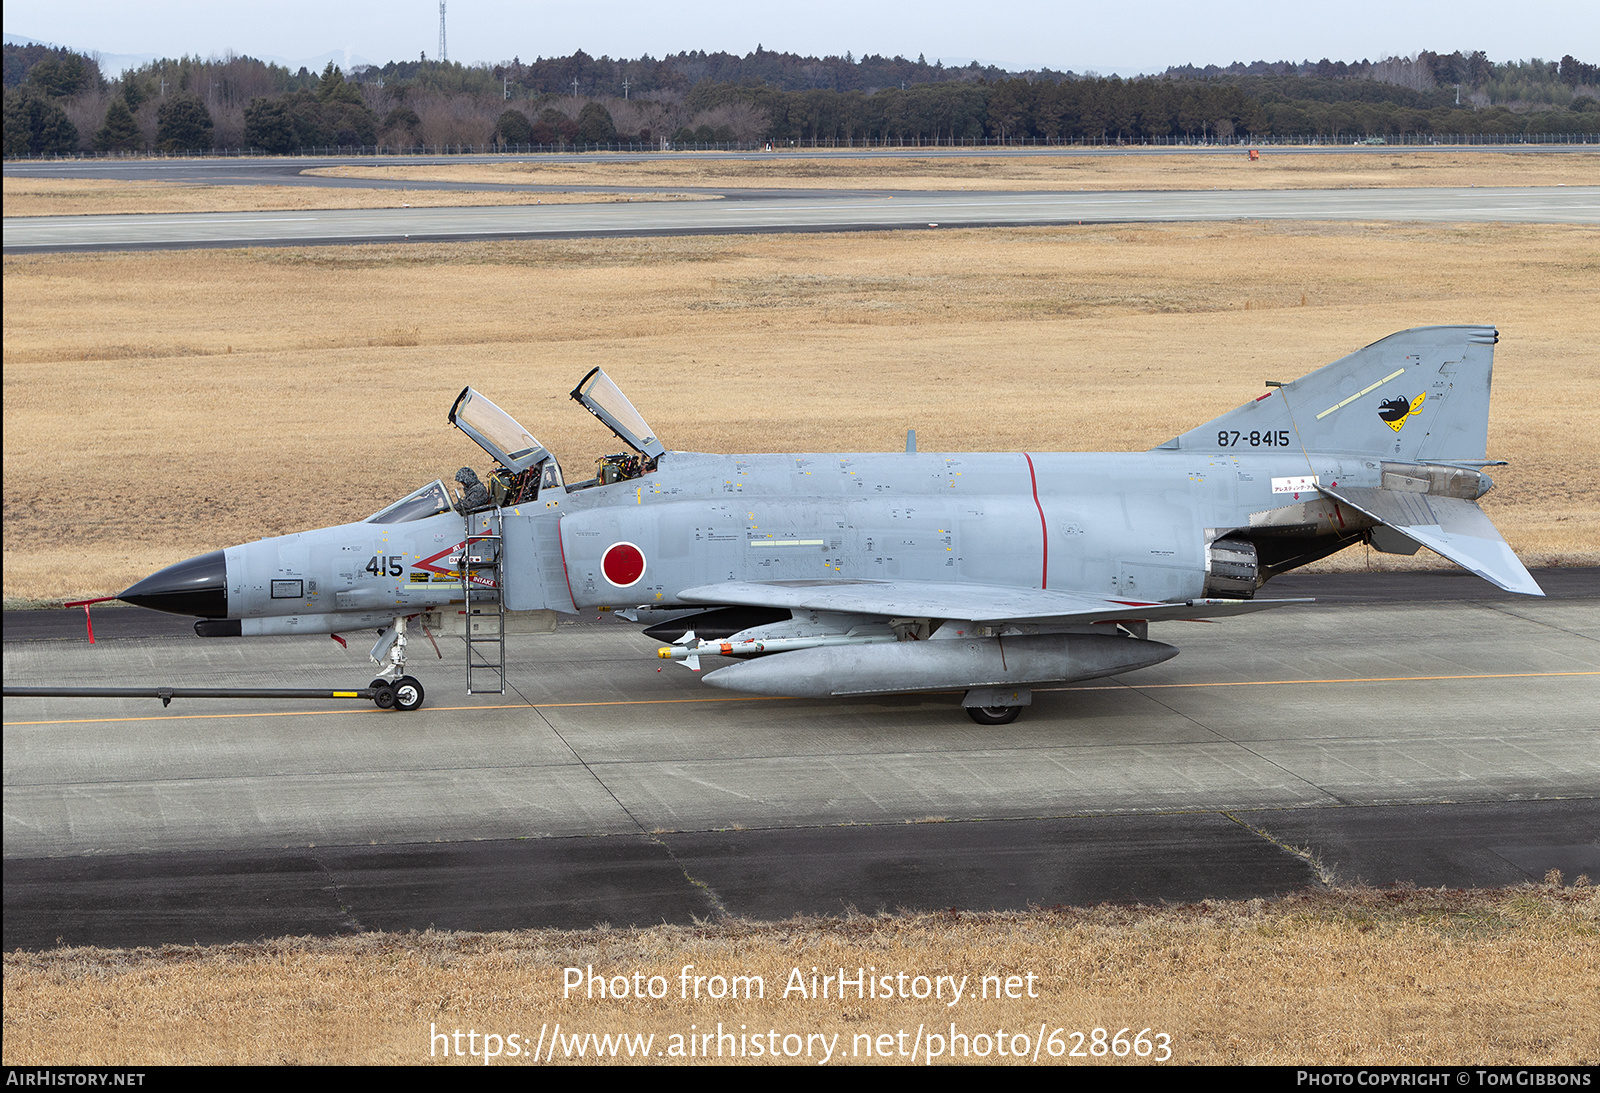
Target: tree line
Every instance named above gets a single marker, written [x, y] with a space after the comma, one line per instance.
[58, 102]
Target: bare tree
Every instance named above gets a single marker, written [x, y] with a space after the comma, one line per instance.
[227, 122]
[635, 116]
[564, 104]
[1403, 72]
[455, 119]
[379, 100]
[148, 122]
[748, 122]
[87, 111]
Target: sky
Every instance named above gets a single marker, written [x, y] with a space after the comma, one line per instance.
[1124, 37]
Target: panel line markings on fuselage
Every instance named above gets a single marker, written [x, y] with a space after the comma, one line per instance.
[786, 698]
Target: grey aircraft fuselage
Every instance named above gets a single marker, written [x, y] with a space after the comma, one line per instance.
[1126, 524]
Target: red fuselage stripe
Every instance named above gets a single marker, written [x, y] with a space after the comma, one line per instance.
[1044, 529]
[563, 548]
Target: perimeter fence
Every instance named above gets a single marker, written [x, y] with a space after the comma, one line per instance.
[1404, 140]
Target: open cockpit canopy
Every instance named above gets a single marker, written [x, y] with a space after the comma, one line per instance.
[496, 432]
[522, 456]
[605, 400]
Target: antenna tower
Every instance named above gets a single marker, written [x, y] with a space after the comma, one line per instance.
[443, 56]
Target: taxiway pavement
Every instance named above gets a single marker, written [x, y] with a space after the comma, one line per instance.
[1452, 739]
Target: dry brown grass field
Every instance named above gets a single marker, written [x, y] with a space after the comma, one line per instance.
[87, 196]
[1329, 977]
[894, 171]
[158, 405]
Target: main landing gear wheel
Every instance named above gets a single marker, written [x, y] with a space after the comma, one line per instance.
[993, 715]
[408, 693]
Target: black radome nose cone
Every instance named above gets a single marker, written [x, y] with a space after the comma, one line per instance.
[198, 586]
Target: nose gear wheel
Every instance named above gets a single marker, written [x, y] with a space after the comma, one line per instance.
[408, 693]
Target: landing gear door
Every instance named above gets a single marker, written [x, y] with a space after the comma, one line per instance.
[496, 432]
[605, 400]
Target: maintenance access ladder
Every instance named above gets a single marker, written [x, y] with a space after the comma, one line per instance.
[480, 569]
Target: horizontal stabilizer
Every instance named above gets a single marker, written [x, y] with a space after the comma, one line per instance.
[949, 600]
[1449, 526]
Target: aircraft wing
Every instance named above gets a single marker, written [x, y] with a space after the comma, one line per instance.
[968, 602]
[1450, 526]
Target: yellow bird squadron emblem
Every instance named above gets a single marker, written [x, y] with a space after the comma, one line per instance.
[1394, 411]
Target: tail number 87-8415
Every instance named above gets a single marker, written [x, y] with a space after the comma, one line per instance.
[1234, 439]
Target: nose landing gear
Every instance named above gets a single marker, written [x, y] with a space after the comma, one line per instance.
[394, 690]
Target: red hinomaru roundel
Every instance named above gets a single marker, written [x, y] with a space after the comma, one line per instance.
[623, 564]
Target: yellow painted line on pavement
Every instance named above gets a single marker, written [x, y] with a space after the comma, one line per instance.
[778, 698]
[1285, 682]
[429, 709]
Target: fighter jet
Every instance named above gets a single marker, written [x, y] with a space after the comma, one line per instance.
[891, 572]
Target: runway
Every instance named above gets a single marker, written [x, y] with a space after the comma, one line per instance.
[287, 170]
[1447, 737]
[792, 213]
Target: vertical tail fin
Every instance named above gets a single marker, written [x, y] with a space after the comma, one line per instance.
[1415, 396]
